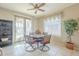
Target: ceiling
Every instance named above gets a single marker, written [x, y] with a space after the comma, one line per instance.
[49, 8]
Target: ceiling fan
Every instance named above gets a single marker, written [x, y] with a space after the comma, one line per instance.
[37, 7]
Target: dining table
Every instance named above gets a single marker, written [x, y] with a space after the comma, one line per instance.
[38, 38]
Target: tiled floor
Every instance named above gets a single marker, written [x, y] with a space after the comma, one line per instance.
[56, 49]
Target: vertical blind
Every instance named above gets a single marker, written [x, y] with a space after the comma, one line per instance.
[52, 25]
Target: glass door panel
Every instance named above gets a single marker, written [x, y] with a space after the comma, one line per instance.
[19, 29]
[28, 26]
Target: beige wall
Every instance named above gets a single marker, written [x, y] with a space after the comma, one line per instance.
[5, 15]
[71, 12]
[40, 24]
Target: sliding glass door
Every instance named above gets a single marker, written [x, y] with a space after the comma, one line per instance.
[19, 29]
[22, 28]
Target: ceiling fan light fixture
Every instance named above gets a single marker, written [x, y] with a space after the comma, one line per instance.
[36, 7]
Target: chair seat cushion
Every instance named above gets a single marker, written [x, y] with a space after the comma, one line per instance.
[33, 41]
[45, 41]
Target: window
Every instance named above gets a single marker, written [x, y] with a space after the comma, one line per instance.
[52, 25]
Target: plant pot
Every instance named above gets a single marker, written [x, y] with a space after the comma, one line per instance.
[70, 45]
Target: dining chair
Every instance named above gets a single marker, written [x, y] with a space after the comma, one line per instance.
[30, 41]
[45, 41]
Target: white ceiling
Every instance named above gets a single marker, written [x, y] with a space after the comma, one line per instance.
[49, 8]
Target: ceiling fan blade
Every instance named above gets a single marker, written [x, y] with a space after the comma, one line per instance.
[41, 10]
[31, 9]
[41, 4]
[36, 12]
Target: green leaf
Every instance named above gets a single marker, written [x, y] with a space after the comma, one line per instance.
[71, 26]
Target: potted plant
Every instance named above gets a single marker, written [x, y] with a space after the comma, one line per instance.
[71, 26]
